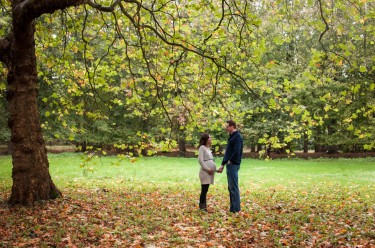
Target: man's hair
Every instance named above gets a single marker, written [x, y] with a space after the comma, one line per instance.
[204, 139]
[231, 123]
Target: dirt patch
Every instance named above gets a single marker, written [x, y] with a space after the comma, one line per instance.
[51, 149]
[4, 150]
[312, 155]
[61, 149]
[255, 155]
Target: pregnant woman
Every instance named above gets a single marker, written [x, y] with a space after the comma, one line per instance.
[208, 168]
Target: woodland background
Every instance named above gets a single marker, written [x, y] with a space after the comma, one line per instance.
[304, 78]
[136, 78]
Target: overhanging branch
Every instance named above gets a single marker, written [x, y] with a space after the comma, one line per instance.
[325, 24]
[324, 32]
[190, 48]
[100, 7]
[30, 9]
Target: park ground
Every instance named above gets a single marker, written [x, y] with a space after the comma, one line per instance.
[152, 202]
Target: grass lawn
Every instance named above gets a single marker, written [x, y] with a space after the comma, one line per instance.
[153, 203]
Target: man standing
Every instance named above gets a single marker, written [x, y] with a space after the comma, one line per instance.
[232, 159]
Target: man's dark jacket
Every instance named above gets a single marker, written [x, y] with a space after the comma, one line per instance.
[233, 152]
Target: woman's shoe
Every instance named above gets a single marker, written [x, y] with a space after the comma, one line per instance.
[203, 206]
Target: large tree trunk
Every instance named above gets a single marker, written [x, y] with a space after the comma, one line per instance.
[31, 178]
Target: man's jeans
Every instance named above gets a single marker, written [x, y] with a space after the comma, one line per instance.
[234, 191]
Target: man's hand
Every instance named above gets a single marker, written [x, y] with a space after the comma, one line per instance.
[220, 170]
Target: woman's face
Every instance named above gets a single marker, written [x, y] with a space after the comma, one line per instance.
[209, 141]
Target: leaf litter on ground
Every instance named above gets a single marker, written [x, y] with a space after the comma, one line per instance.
[151, 217]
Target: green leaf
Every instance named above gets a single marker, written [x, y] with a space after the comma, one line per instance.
[362, 68]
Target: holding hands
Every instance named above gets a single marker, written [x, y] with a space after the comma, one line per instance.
[220, 170]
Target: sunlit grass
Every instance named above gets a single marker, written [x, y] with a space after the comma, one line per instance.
[289, 178]
[183, 172]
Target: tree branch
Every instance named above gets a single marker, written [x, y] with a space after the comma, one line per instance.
[138, 26]
[322, 34]
[325, 23]
[190, 48]
[30, 9]
[100, 7]
[219, 24]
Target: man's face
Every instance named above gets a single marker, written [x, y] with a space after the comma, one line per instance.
[229, 129]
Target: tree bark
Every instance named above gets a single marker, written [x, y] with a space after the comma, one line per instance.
[253, 148]
[182, 147]
[331, 149]
[181, 142]
[305, 142]
[31, 178]
[317, 140]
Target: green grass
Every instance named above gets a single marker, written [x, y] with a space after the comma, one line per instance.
[153, 203]
[183, 172]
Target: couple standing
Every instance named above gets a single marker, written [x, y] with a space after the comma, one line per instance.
[232, 160]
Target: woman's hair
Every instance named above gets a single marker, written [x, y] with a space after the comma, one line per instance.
[204, 139]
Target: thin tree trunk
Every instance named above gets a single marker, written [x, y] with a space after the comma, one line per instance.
[182, 147]
[181, 143]
[331, 132]
[31, 177]
[253, 148]
[305, 142]
[317, 141]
